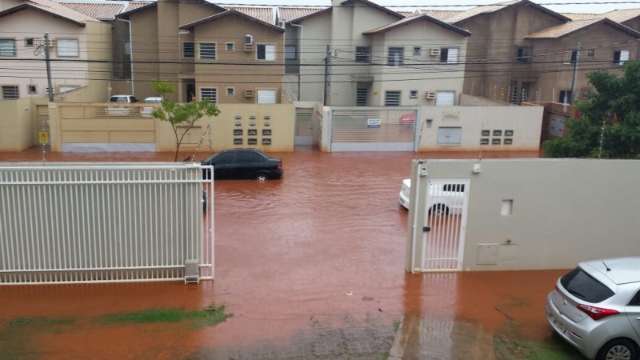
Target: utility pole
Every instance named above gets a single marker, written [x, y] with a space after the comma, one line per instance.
[47, 60]
[575, 73]
[326, 75]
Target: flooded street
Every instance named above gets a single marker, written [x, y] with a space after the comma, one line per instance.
[307, 267]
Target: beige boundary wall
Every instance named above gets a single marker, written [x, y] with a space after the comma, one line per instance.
[524, 122]
[564, 211]
[19, 121]
[117, 127]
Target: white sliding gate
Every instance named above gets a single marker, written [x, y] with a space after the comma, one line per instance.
[438, 217]
[84, 223]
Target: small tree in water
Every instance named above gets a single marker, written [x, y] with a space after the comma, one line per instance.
[181, 116]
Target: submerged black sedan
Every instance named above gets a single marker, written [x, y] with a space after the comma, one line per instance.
[244, 164]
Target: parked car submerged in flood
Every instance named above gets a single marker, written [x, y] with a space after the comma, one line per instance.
[596, 308]
[244, 164]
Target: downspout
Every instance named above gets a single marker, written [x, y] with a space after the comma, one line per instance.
[298, 49]
[132, 86]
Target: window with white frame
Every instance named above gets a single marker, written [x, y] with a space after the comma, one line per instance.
[449, 135]
[449, 55]
[230, 46]
[267, 96]
[392, 98]
[207, 51]
[68, 47]
[266, 52]
[7, 47]
[413, 94]
[620, 57]
[445, 98]
[10, 92]
[187, 49]
[209, 94]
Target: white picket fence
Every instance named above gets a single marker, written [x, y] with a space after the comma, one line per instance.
[86, 223]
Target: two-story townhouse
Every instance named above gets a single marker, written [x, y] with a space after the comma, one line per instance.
[581, 45]
[197, 45]
[359, 53]
[236, 58]
[498, 51]
[79, 47]
[520, 51]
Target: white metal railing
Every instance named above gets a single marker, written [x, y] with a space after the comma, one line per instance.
[80, 223]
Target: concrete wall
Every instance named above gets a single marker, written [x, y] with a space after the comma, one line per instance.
[94, 126]
[18, 123]
[564, 211]
[144, 41]
[524, 121]
[313, 40]
[94, 40]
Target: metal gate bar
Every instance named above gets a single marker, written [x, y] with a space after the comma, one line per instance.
[437, 221]
[84, 223]
[446, 215]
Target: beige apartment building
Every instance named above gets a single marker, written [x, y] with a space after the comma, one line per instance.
[80, 50]
[521, 51]
[207, 51]
[359, 53]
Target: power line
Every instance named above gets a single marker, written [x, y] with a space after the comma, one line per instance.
[333, 81]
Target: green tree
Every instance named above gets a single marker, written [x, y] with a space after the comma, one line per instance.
[609, 122]
[181, 116]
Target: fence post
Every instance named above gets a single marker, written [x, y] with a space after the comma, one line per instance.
[414, 258]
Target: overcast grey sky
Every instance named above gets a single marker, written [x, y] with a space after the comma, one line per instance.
[563, 8]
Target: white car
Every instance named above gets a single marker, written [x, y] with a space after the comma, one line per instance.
[443, 198]
[147, 110]
[596, 308]
[114, 110]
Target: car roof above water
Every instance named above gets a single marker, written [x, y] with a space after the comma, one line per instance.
[620, 271]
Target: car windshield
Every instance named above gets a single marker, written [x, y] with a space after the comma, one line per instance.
[583, 286]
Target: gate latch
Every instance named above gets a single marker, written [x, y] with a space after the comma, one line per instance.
[426, 228]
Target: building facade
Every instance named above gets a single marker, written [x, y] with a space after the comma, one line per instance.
[79, 47]
[360, 53]
[207, 51]
[521, 51]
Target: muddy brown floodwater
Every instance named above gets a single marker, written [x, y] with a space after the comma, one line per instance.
[310, 267]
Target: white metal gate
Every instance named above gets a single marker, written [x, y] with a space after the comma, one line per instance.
[83, 223]
[438, 209]
[446, 218]
[373, 129]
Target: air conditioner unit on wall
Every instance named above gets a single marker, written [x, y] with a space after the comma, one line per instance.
[429, 95]
[434, 52]
[248, 93]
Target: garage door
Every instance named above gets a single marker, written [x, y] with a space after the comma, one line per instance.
[266, 96]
